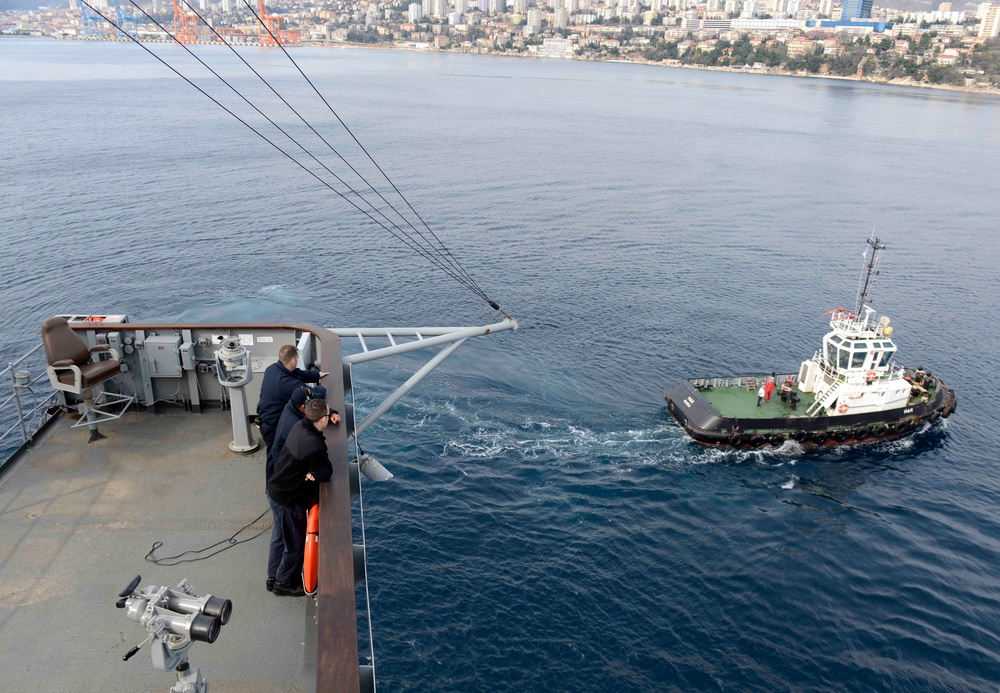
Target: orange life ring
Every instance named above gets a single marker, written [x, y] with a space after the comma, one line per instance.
[870, 376]
[842, 408]
[94, 318]
[310, 564]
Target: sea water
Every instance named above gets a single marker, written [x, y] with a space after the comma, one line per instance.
[549, 527]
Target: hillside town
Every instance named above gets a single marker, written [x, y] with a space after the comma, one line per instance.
[835, 38]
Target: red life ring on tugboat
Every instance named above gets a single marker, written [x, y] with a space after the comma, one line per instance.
[843, 408]
[870, 376]
[310, 564]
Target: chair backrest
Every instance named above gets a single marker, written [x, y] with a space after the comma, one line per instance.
[61, 342]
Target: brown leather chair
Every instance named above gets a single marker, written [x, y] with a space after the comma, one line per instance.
[75, 367]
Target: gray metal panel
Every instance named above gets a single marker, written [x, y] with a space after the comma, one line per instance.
[163, 356]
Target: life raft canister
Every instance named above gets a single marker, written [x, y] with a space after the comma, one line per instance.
[310, 563]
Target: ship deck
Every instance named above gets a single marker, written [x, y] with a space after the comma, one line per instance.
[732, 399]
[737, 402]
[77, 521]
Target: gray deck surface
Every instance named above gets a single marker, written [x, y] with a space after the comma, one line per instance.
[76, 521]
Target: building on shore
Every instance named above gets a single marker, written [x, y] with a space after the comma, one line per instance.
[989, 26]
[856, 9]
[556, 48]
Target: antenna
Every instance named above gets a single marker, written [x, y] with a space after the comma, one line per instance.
[869, 270]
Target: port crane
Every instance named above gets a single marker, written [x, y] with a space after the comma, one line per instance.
[185, 23]
[128, 25]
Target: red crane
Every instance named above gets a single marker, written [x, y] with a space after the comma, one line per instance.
[274, 34]
[185, 24]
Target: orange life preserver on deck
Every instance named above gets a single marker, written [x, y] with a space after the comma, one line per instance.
[310, 564]
[870, 376]
[842, 408]
[94, 318]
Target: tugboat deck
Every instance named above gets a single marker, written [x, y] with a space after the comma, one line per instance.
[77, 521]
[731, 398]
[737, 402]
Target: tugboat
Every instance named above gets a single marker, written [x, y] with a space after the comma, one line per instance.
[850, 391]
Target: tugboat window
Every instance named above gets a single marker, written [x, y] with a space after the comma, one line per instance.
[886, 355]
[845, 358]
[859, 359]
[831, 354]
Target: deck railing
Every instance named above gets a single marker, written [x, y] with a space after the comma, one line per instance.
[28, 407]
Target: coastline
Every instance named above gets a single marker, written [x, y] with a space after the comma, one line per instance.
[994, 91]
[678, 64]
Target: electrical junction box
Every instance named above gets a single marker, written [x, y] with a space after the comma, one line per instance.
[163, 354]
[187, 356]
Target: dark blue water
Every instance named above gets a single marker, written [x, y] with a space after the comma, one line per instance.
[549, 527]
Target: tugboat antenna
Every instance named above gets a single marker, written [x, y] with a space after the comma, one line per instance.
[869, 270]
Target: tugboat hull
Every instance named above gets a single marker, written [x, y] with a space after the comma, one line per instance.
[705, 424]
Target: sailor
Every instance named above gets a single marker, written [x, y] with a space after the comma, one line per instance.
[769, 387]
[290, 415]
[279, 382]
[760, 395]
[302, 465]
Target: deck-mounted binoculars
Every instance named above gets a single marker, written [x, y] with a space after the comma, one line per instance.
[175, 619]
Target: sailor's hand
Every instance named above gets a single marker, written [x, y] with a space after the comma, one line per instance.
[335, 419]
[310, 477]
[323, 374]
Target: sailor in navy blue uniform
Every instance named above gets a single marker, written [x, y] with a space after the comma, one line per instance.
[280, 381]
[290, 415]
[294, 485]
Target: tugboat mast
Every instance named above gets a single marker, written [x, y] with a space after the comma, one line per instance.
[869, 271]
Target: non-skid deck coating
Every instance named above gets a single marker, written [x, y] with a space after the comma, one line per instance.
[76, 521]
[736, 402]
[740, 403]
